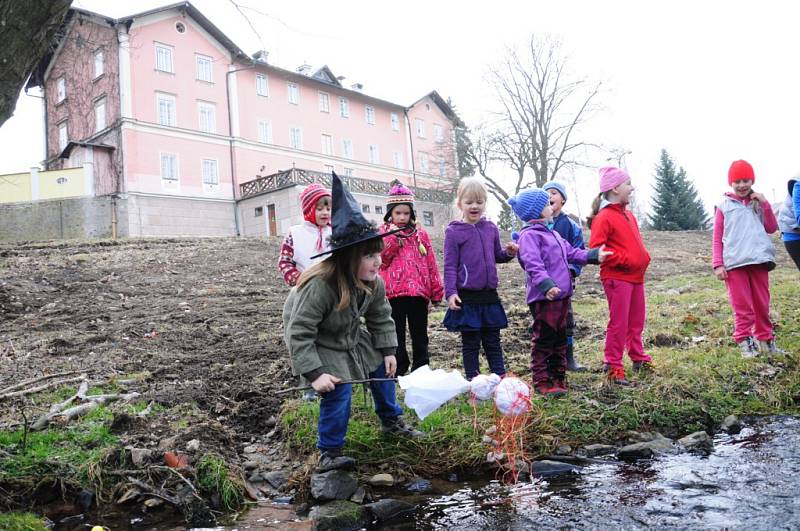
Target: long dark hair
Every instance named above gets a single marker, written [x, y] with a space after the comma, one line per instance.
[596, 207]
[340, 270]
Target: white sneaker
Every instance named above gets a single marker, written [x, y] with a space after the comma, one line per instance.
[748, 347]
[769, 347]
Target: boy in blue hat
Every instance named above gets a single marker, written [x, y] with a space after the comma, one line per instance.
[572, 232]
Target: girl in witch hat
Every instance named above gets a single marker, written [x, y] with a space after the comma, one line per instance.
[411, 275]
[323, 331]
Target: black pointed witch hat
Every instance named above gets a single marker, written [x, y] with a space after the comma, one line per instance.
[348, 225]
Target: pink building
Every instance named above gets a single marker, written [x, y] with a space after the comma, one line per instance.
[179, 122]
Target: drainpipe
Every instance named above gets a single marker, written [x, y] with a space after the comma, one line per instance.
[230, 141]
[411, 145]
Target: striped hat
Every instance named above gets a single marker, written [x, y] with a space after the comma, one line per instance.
[308, 200]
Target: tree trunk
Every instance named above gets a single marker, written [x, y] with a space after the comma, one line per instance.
[27, 31]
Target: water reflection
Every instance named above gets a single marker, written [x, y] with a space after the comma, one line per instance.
[750, 481]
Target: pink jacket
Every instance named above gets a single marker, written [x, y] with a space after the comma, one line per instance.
[407, 271]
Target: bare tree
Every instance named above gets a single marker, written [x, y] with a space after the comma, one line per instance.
[541, 111]
[27, 33]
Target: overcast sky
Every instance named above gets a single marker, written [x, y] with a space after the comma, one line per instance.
[709, 81]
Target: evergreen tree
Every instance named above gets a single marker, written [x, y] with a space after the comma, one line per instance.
[505, 221]
[676, 205]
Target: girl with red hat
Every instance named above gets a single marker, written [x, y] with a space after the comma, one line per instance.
[743, 255]
[309, 238]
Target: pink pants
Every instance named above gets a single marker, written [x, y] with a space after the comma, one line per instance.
[626, 309]
[748, 291]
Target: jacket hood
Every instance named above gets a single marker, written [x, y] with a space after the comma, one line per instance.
[457, 224]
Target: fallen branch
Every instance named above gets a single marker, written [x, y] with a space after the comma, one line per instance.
[37, 380]
[41, 387]
[91, 402]
[364, 380]
[189, 483]
[153, 492]
[79, 394]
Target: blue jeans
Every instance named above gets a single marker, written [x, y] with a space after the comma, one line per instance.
[334, 409]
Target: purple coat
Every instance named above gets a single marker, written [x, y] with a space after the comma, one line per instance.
[545, 256]
[470, 254]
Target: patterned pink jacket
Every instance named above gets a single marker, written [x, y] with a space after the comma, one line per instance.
[409, 267]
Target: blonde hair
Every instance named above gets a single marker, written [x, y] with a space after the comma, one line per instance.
[470, 187]
[596, 207]
[340, 270]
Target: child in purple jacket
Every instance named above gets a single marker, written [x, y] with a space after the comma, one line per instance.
[545, 256]
[471, 250]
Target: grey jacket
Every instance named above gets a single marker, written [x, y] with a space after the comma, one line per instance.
[744, 240]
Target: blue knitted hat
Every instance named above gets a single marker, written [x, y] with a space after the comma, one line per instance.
[528, 204]
[558, 186]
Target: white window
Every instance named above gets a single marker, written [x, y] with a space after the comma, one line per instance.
[423, 162]
[61, 90]
[264, 132]
[427, 218]
[207, 113]
[100, 115]
[63, 136]
[166, 109]
[438, 133]
[164, 58]
[204, 63]
[347, 148]
[210, 171]
[99, 67]
[327, 144]
[370, 115]
[296, 138]
[344, 108]
[397, 159]
[294, 93]
[324, 102]
[374, 157]
[395, 121]
[348, 172]
[261, 85]
[420, 128]
[441, 167]
[169, 167]
[328, 169]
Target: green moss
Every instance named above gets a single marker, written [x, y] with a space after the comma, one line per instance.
[21, 522]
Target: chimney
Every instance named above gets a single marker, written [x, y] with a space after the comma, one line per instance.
[357, 87]
[261, 56]
[304, 69]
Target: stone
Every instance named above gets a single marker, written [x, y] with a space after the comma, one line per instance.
[333, 485]
[381, 480]
[277, 478]
[270, 423]
[193, 445]
[250, 465]
[151, 503]
[339, 514]
[549, 469]
[168, 443]
[563, 449]
[140, 456]
[699, 441]
[388, 508]
[250, 449]
[646, 449]
[594, 450]
[731, 424]
[359, 495]
[255, 477]
[420, 485]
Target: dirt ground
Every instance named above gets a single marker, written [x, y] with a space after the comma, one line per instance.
[215, 306]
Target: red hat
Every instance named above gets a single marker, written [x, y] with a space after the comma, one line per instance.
[740, 169]
[308, 200]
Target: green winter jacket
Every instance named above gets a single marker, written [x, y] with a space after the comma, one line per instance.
[319, 336]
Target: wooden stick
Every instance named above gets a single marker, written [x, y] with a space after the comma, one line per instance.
[365, 380]
[39, 379]
[41, 387]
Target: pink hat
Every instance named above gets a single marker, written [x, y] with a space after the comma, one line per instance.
[308, 200]
[741, 169]
[611, 177]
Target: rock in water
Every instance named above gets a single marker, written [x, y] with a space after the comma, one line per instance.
[697, 441]
[550, 469]
[333, 485]
[594, 450]
[731, 425]
[388, 508]
[381, 480]
[646, 449]
[339, 515]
